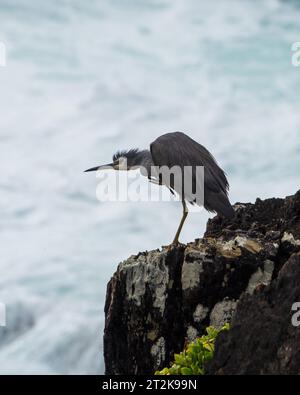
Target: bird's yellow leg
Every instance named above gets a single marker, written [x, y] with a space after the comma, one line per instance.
[176, 238]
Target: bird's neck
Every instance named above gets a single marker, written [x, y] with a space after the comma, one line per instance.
[145, 163]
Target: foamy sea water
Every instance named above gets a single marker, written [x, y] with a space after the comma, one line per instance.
[84, 79]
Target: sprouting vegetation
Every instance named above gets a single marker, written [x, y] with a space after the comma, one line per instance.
[193, 359]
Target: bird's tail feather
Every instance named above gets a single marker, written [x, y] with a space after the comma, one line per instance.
[219, 203]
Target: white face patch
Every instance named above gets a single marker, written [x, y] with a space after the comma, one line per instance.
[122, 163]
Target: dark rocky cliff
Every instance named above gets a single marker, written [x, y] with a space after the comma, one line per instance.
[246, 271]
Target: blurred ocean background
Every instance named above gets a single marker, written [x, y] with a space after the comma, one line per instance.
[85, 78]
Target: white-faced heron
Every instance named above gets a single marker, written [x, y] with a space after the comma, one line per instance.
[180, 151]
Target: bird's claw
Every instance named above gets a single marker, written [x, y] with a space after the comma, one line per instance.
[173, 245]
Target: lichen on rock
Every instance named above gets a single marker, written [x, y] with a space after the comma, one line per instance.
[222, 313]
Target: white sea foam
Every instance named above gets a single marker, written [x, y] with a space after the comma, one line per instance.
[84, 79]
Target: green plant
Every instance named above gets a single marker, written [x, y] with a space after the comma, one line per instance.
[196, 354]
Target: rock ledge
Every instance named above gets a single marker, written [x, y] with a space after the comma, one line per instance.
[246, 271]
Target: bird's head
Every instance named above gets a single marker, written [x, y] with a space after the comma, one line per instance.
[122, 160]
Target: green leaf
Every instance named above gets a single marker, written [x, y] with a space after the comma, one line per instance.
[193, 359]
[186, 371]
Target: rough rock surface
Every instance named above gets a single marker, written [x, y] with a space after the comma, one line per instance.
[245, 270]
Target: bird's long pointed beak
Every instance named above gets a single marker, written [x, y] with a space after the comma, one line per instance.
[103, 167]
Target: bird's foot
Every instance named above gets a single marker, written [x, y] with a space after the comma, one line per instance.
[174, 244]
